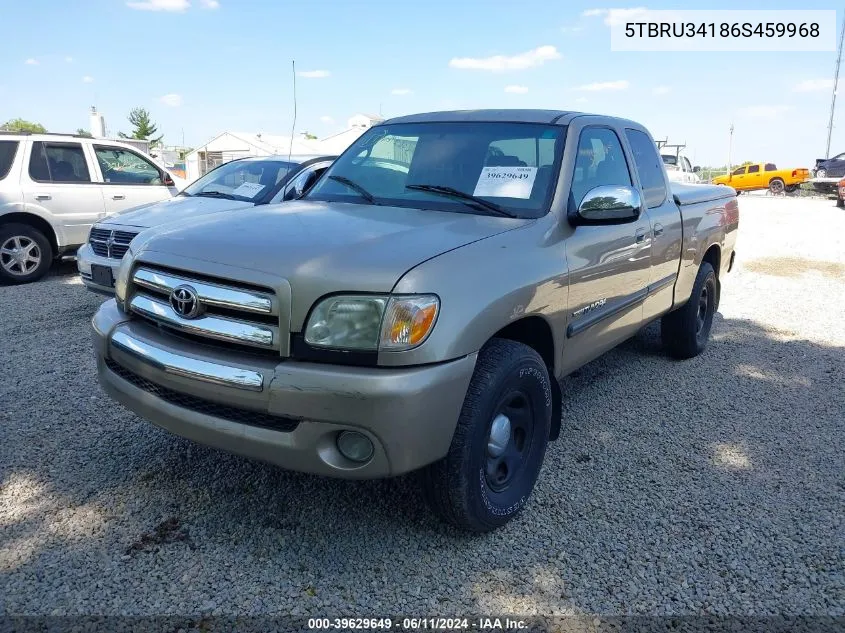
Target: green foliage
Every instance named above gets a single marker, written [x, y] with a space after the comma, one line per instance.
[310, 136]
[21, 125]
[82, 132]
[145, 129]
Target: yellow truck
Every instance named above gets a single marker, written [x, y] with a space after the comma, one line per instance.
[764, 176]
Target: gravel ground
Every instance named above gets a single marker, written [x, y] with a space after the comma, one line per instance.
[712, 485]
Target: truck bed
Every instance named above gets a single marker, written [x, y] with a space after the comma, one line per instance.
[687, 194]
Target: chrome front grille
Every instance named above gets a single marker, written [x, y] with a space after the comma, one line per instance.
[224, 313]
[111, 244]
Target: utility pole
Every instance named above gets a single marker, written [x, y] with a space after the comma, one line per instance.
[730, 146]
[835, 85]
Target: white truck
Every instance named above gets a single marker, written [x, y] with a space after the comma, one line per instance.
[678, 166]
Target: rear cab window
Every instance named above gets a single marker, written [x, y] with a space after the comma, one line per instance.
[771, 167]
[753, 169]
[649, 166]
[58, 163]
[8, 149]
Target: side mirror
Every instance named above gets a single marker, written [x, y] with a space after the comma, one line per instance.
[696, 169]
[608, 204]
[167, 180]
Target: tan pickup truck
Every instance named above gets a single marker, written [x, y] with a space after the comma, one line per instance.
[416, 308]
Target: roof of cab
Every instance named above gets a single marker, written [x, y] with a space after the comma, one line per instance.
[559, 117]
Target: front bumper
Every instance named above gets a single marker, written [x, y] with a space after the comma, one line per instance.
[230, 400]
[86, 256]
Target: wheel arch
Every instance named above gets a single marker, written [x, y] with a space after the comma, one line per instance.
[36, 222]
[535, 332]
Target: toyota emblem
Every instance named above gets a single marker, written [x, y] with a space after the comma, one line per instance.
[184, 301]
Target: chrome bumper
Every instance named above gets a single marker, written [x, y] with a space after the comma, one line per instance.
[409, 414]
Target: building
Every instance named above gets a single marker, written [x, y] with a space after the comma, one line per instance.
[231, 145]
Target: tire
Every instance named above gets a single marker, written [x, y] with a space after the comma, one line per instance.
[776, 186]
[840, 203]
[685, 331]
[821, 173]
[18, 238]
[473, 488]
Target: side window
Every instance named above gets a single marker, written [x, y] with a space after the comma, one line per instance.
[120, 166]
[753, 169]
[58, 162]
[739, 171]
[8, 149]
[648, 166]
[771, 167]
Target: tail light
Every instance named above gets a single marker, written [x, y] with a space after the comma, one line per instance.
[794, 173]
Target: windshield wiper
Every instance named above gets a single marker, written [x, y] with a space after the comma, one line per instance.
[215, 194]
[366, 195]
[471, 200]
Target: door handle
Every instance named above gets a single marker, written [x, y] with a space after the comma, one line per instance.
[118, 196]
[640, 235]
[43, 196]
[658, 229]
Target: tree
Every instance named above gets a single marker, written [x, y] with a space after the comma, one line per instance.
[145, 129]
[85, 133]
[21, 125]
[310, 136]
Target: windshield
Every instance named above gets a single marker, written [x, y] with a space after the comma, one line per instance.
[245, 180]
[473, 167]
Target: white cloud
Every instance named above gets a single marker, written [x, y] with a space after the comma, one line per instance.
[613, 17]
[516, 90]
[31, 62]
[770, 112]
[497, 63]
[661, 90]
[159, 5]
[314, 74]
[69, 59]
[600, 86]
[172, 100]
[813, 85]
[87, 79]
[210, 4]
[327, 120]
[401, 91]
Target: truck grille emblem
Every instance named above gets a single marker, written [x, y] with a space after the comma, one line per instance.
[184, 301]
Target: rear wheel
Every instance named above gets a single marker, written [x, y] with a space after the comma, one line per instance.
[776, 186]
[821, 173]
[25, 254]
[499, 443]
[685, 331]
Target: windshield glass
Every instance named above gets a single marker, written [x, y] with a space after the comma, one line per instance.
[669, 159]
[245, 180]
[511, 165]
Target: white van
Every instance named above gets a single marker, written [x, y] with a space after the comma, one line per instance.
[54, 187]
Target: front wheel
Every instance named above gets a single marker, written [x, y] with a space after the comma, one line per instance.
[685, 331]
[821, 173]
[493, 462]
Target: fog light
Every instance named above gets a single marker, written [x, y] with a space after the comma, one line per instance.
[354, 446]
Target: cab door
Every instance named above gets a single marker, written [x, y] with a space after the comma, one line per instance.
[608, 264]
[666, 224]
[754, 178]
[130, 179]
[737, 179]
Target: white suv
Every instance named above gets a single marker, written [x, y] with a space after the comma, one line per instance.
[53, 188]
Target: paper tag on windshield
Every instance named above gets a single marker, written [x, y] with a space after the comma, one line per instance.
[506, 182]
[248, 190]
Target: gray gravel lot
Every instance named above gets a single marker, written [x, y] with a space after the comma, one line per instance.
[715, 485]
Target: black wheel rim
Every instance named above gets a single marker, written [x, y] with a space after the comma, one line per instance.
[704, 312]
[777, 186]
[509, 438]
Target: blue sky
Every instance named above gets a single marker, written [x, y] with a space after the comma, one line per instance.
[204, 66]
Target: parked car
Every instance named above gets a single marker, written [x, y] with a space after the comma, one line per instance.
[53, 188]
[395, 320]
[679, 169]
[830, 167]
[235, 185]
[764, 176]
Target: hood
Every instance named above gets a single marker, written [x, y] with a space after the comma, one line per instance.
[172, 209]
[316, 247]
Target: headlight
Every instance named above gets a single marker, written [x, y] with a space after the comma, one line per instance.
[122, 280]
[370, 323]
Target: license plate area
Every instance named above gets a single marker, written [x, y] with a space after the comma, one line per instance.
[102, 275]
